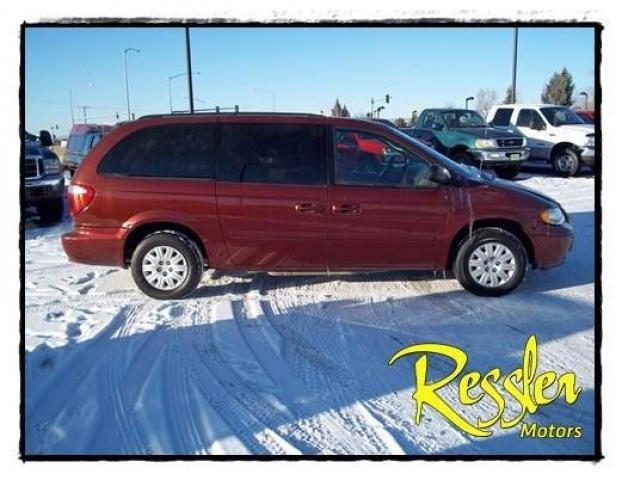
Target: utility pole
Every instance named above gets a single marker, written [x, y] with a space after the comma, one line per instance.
[189, 70]
[84, 108]
[127, 82]
[514, 65]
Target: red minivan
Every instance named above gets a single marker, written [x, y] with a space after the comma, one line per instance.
[172, 195]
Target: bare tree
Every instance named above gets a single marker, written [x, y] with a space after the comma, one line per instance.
[484, 100]
[399, 122]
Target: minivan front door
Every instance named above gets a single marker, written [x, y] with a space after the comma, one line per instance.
[385, 213]
[272, 194]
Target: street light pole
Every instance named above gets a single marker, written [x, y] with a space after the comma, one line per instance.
[73, 121]
[170, 93]
[466, 102]
[189, 70]
[584, 93]
[514, 65]
[127, 83]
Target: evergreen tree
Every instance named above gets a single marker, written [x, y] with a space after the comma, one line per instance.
[344, 111]
[559, 89]
[336, 110]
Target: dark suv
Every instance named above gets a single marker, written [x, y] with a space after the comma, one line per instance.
[169, 196]
[44, 183]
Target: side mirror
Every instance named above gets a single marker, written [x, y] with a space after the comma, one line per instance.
[45, 138]
[537, 125]
[437, 126]
[440, 175]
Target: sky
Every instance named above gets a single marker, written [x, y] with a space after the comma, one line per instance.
[301, 69]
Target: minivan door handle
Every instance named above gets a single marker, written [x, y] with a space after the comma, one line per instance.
[309, 208]
[347, 209]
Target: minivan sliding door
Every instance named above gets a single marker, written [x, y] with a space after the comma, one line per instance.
[272, 194]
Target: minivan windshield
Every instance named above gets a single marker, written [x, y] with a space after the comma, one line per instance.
[457, 168]
[559, 116]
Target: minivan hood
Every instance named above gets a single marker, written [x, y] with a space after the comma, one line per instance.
[500, 183]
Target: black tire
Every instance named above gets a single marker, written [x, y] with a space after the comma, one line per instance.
[463, 157]
[566, 162]
[478, 240]
[508, 172]
[185, 247]
[51, 211]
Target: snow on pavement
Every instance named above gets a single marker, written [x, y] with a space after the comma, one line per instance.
[266, 364]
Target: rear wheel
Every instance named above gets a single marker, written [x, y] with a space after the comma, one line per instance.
[51, 211]
[566, 162]
[166, 265]
[508, 172]
[491, 262]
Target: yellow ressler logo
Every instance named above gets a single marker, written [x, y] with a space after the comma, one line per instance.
[522, 384]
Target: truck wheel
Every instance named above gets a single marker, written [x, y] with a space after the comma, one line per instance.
[166, 265]
[566, 162]
[491, 262]
[51, 211]
[463, 157]
[508, 172]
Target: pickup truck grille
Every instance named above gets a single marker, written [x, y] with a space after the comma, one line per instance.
[32, 168]
[510, 142]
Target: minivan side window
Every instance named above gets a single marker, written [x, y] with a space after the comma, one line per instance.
[272, 153]
[502, 117]
[166, 151]
[363, 158]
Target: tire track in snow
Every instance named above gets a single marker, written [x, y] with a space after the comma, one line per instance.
[321, 375]
[249, 416]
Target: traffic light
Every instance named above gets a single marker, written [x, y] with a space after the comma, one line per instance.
[387, 98]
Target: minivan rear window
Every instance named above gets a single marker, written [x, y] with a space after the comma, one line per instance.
[166, 151]
[272, 153]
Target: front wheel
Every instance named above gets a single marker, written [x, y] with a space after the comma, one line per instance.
[491, 262]
[166, 265]
[51, 211]
[463, 157]
[508, 172]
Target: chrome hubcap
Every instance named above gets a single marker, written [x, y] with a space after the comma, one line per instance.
[492, 264]
[165, 268]
[564, 162]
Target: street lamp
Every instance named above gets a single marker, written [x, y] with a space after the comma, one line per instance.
[378, 110]
[127, 83]
[584, 93]
[170, 95]
[272, 94]
[466, 102]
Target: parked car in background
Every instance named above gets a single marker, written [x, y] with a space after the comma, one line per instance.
[464, 136]
[586, 115]
[171, 195]
[82, 139]
[44, 183]
[555, 134]
[425, 137]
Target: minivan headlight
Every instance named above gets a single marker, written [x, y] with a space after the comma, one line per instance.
[485, 143]
[553, 216]
[51, 166]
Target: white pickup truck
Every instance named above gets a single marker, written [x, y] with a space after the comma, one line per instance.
[554, 133]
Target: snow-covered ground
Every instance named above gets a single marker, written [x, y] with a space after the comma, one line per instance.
[265, 364]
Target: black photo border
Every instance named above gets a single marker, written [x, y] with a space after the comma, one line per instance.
[280, 23]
